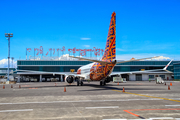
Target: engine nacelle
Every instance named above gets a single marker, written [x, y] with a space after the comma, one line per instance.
[69, 79]
[108, 79]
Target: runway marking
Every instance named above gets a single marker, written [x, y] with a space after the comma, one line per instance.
[128, 111]
[172, 105]
[148, 96]
[117, 119]
[101, 107]
[33, 88]
[76, 101]
[162, 118]
[154, 109]
[131, 113]
[16, 110]
[25, 85]
[175, 98]
[78, 110]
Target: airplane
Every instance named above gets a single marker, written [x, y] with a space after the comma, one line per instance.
[100, 70]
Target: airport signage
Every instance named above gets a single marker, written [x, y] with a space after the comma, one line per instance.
[82, 52]
[43, 58]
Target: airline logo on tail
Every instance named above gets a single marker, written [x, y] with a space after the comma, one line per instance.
[110, 50]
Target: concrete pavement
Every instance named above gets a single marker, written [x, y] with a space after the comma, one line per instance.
[141, 100]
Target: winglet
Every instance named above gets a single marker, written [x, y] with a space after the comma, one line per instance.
[167, 65]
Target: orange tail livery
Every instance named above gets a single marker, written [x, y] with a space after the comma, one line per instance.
[110, 50]
[100, 71]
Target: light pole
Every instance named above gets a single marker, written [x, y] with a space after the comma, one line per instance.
[8, 35]
[12, 61]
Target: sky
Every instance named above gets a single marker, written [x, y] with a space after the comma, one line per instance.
[144, 28]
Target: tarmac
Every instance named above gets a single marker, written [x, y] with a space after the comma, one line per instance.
[49, 101]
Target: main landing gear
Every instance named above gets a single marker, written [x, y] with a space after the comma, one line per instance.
[79, 82]
[102, 82]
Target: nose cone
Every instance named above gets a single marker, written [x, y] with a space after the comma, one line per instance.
[79, 71]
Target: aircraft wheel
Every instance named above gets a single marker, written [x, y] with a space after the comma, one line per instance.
[81, 83]
[101, 83]
[104, 83]
[77, 82]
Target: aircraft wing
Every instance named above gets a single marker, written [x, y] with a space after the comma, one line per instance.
[98, 61]
[104, 62]
[145, 71]
[53, 73]
[137, 59]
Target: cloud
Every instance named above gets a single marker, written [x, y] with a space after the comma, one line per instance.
[85, 38]
[162, 58]
[4, 63]
[86, 46]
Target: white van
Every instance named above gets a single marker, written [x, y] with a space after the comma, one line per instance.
[119, 80]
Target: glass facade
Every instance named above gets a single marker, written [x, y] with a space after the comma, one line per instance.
[151, 76]
[66, 66]
[147, 63]
[49, 68]
[4, 71]
[177, 71]
[162, 76]
[45, 62]
[138, 68]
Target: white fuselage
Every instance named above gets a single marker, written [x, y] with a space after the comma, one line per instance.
[85, 71]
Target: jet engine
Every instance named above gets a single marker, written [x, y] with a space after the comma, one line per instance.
[69, 79]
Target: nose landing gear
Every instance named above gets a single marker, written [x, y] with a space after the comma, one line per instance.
[102, 82]
[79, 82]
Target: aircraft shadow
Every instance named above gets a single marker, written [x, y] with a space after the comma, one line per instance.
[106, 87]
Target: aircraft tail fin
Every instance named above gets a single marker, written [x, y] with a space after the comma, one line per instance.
[110, 49]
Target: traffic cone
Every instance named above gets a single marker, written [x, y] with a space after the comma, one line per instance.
[168, 87]
[123, 89]
[64, 89]
[165, 83]
[19, 86]
[170, 84]
[3, 86]
[118, 83]
[11, 86]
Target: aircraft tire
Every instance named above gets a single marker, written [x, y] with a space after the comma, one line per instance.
[81, 83]
[101, 83]
[77, 82]
[104, 82]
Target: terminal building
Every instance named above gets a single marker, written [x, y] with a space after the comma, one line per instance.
[42, 66]
[4, 71]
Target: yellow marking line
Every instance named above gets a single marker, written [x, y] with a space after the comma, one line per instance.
[148, 96]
